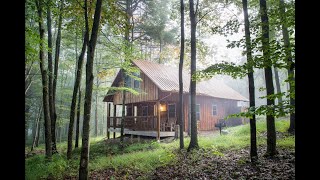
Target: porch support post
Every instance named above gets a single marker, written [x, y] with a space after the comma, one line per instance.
[114, 120]
[158, 124]
[108, 120]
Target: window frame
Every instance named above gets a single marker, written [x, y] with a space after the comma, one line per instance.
[216, 110]
[175, 110]
[198, 112]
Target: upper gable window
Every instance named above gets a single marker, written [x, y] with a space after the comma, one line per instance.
[136, 83]
[131, 82]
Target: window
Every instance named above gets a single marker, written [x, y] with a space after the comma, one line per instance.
[132, 83]
[214, 110]
[198, 112]
[172, 110]
[128, 80]
[136, 83]
[144, 110]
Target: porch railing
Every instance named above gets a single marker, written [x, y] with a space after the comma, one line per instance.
[137, 123]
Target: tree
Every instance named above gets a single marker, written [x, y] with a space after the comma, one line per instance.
[181, 118]
[47, 120]
[253, 136]
[36, 128]
[278, 88]
[84, 159]
[78, 120]
[50, 73]
[55, 77]
[194, 137]
[271, 131]
[76, 87]
[290, 63]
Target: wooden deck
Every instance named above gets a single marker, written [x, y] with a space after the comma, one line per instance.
[144, 133]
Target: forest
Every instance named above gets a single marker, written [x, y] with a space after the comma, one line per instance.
[76, 51]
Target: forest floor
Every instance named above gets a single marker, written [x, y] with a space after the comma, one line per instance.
[223, 156]
[204, 164]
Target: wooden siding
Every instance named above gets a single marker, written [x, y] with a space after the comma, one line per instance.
[207, 119]
[148, 92]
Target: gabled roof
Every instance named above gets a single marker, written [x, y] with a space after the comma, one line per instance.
[166, 78]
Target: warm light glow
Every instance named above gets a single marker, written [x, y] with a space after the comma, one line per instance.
[163, 107]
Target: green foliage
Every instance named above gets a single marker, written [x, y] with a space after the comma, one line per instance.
[37, 167]
[231, 27]
[227, 68]
[115, 17]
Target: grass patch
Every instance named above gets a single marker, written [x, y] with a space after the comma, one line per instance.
[146, 156]
[37, 167]
[142, 160]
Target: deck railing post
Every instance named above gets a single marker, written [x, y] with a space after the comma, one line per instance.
[114, 120]
[108, 120]
[158, 124]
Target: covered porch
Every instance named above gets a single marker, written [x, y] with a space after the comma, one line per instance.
[153, 119]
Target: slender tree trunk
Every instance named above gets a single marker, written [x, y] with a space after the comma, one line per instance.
[181, 117]
[103, 120]
[75, 90]
[253, 136]
[96, 115]
[290, 64]
[194, 137]
[84, 159]
[123, 108]
[27, 111]
[39, 133]
[276, 76]
[78, 120]
[271, 130]
[96, 108]
[36, 134]
[127, 30]
[55, 77]
[45, 98]
[50, 73]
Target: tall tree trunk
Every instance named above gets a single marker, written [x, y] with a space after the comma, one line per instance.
[50, 68]
[84, 159]
[27, 111]
[36, 134]
[194, 136]
[39, 128]
[127, 31]
[103, 120]
[123, 108]
[78, 120]
[55, 77]
[276, 76]
[45, 98]
[290, 64]
[181, 117]
[96, 115]
[96, 108]
[253, 136]
[75, 91]
[271, 130]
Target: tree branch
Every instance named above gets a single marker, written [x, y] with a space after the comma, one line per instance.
[203, 16]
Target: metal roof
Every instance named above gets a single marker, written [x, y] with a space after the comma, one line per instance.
[166, 78]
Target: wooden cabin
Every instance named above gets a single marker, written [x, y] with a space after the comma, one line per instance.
[153, 112]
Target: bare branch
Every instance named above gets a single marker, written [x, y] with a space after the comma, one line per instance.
[203, 16]
[27, 88]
